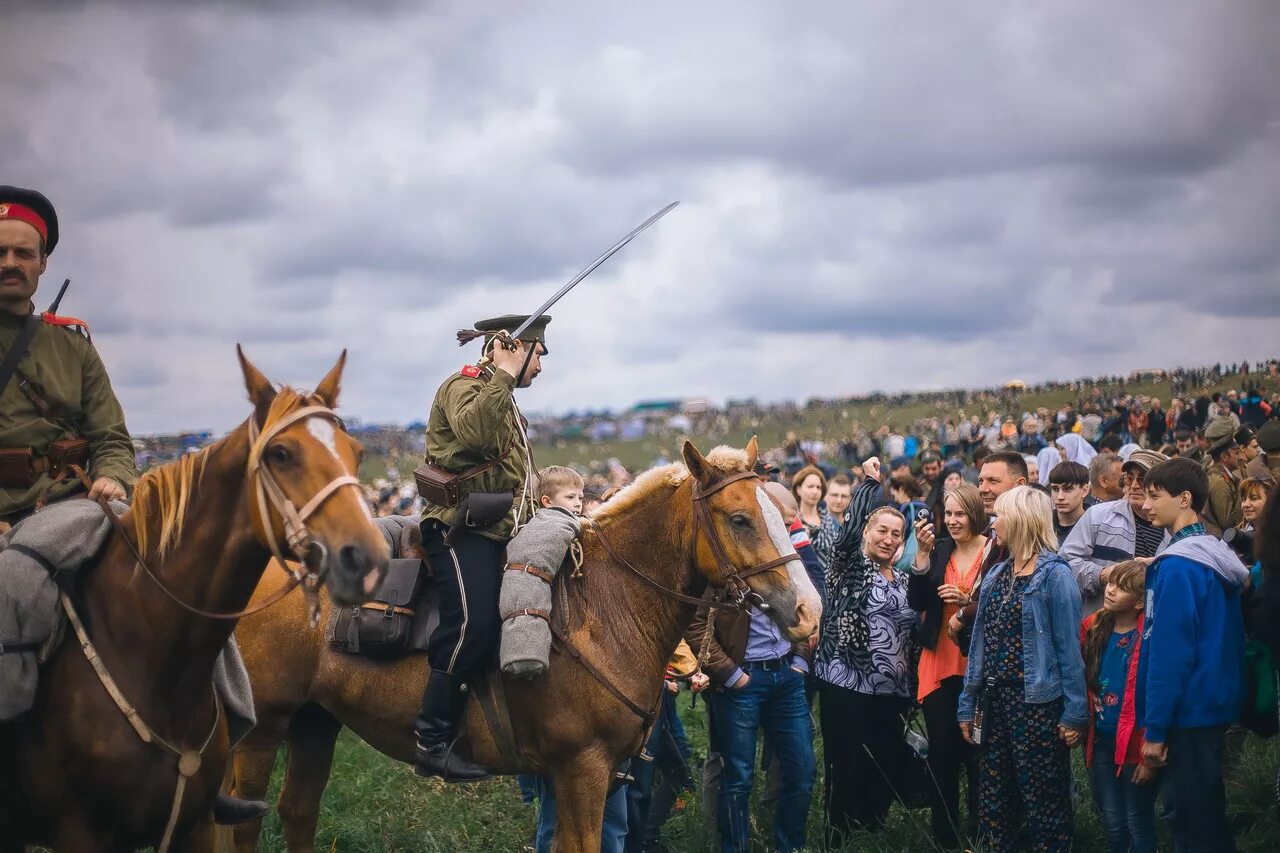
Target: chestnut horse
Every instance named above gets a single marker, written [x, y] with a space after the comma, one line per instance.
[75, 773]
[567, 724]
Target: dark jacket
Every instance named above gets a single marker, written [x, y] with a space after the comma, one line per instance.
[922, 593]
[728, 641]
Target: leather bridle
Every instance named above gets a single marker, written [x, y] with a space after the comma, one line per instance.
[733, 592]
[309, 553]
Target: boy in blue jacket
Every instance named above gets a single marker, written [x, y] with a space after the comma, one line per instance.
[1191, 667]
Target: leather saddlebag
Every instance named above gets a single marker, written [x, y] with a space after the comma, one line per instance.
[382, 628]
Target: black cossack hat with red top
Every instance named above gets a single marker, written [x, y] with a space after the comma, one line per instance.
[32, 208]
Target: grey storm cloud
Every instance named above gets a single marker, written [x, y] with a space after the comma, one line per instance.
[908, 196]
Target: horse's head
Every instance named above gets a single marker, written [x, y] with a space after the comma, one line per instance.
[304, 498]
[750, 532]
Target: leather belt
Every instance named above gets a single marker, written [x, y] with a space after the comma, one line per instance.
[768, 665]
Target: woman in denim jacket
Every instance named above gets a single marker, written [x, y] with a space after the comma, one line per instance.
[1027, 674]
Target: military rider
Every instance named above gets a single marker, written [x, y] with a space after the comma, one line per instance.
[476, 435]
[60, 391]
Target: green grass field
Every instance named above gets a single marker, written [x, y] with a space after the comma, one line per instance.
[374, 805]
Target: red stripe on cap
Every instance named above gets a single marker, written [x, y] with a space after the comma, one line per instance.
[12, 210]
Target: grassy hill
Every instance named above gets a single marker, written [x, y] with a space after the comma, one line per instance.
[823, 423]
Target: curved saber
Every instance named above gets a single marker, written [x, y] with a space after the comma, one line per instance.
[590, 268]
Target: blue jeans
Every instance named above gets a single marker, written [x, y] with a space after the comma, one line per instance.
[615, 816]
[775, 702]
[1199, 795]
[1128, 811]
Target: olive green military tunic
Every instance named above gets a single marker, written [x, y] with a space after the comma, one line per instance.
[66, 370]
[473, 421]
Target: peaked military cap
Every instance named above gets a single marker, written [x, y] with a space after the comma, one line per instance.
[1221, 433]
[537, 330]
[32, 208]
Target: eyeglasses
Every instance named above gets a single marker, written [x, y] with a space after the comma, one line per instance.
[1127, 480]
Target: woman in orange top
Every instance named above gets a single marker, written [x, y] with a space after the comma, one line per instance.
[943, 580]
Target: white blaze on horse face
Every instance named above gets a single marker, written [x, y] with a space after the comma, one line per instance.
[806, 596]
[323, 431]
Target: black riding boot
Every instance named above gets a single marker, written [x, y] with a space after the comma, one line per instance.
[442, 704]
[230, 811]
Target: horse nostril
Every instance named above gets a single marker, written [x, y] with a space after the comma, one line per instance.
[352, 560]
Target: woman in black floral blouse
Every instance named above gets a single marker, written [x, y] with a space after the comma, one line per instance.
[863, 665]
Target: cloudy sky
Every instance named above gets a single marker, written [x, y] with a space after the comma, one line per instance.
[873, 195]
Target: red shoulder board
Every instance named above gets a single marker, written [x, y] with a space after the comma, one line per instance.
[471, 371]
[68, 323]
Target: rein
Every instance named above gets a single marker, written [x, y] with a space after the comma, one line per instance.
[739, 594]
[299, 541]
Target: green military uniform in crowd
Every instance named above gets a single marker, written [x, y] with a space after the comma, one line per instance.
[65, 369]
[473, 421]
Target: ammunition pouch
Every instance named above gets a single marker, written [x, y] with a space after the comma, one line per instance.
[21, 467]
[441, 487]
[479, 511]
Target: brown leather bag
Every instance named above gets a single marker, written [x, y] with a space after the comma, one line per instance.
[66, 452]
[442, 487]
[16, 471]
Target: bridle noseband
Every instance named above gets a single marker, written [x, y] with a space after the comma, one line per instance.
[309, 553]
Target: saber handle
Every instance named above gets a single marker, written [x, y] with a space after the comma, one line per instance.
[57, 300]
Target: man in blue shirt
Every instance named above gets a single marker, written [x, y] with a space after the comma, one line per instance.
[760, 681]
[1191, 666]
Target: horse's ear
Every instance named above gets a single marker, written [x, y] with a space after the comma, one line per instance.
[261, 391]
[753, 453]
[694, 461]
[328, 388]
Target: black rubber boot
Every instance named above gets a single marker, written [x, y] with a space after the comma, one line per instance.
[230, 811]
[442, 705]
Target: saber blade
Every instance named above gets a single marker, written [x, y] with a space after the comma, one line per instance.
[590, 268]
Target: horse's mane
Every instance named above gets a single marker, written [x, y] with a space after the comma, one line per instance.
[165, 492]
[724, 459]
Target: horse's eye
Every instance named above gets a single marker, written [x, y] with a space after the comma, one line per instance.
[740, 521]
[279, 454]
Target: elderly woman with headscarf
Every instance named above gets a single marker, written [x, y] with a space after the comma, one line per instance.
[863, 665]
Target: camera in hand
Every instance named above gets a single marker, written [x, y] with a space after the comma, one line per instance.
[923, 514]
[1240, 541]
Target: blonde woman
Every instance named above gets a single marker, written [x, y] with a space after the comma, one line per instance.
[1026, 677]
[807, 488]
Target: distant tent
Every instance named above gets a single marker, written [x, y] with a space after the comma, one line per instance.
[679, 422]
[1016, 385]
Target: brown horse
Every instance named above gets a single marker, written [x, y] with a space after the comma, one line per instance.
[567, 723]
[76, 774]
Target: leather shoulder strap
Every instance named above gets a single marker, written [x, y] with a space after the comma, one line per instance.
[20, 346]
